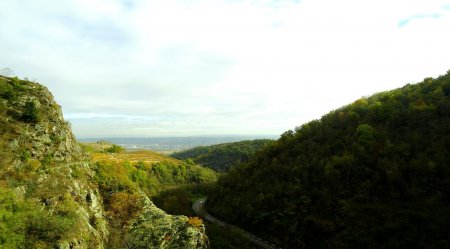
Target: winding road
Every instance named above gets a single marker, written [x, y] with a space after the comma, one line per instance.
[199, 209]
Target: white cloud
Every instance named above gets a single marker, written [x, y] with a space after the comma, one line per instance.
[217, 66]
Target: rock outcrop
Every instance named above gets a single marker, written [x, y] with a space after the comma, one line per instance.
[46, 167]
[156, 229]
[48, 190]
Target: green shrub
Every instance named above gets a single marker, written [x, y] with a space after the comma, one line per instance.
[30, 113]
[25, 155]
[114, 149]
[16, 84]
[24, 224]
[6, 90]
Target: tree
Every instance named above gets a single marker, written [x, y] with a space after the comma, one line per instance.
[114, 149]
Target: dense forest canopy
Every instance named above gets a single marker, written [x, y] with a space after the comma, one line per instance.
[222, 156]
[373, 174]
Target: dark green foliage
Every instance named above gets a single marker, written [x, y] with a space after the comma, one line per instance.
[221, 157]
[6, 90]
[225, 238]
[30, 113]
[25, 155]
[10, 87]
[175, 201]
[373, 174]
[114, 149]
[17, 84]
[179, 200]
[47, 160]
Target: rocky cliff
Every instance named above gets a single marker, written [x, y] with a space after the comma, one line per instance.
[49, 196]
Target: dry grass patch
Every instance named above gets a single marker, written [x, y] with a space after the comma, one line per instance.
[145, 156]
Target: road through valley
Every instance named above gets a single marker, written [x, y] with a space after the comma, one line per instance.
[199, 209]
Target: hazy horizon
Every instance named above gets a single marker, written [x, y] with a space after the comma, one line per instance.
[172, 144]
[208, 67]
[187, 136]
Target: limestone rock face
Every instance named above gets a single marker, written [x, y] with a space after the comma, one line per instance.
[45, 166]
[50, 135]
[156, 229]
[53, 187]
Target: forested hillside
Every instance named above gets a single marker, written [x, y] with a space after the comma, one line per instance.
[373, 174]
[221, 156]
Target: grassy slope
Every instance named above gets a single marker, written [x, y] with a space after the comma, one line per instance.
[145, 156]
[98, 153]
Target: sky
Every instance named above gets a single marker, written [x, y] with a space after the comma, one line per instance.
[218, 67]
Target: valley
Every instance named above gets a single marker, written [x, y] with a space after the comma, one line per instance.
[224, 124]
[199, 209]
[372, 174]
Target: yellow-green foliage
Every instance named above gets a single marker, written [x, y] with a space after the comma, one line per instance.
[6, 89]
[95, 147]
[25, 223]
[195, 221]
[114, 149]
[121, 184]
[151, 178]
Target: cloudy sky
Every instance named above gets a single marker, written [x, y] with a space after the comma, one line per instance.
[203, 67]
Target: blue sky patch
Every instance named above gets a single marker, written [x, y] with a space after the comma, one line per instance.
[405, 21]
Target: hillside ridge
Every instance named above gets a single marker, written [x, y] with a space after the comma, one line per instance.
[49, 187]
[372, 174]
[221, 157]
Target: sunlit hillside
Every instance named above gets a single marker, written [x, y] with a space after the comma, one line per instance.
[145, 156]
[106, 151]
[52, 195]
